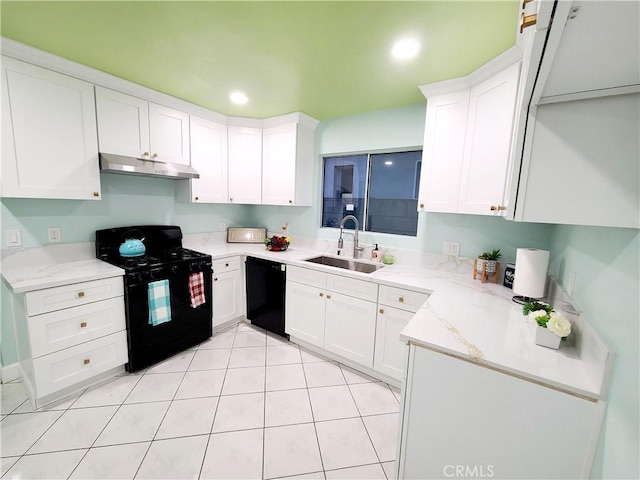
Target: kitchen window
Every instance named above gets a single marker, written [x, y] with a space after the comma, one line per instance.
[380, 189]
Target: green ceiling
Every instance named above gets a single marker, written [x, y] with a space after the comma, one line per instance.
[327, 59]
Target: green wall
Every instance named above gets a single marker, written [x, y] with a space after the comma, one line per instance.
[606, 263]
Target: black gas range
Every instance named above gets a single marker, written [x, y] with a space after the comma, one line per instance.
[167, 291]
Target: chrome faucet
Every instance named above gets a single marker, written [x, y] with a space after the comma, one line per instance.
[356, 247]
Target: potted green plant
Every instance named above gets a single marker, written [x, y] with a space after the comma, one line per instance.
[552, 327]
[487, 261]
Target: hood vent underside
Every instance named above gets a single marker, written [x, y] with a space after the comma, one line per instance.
[112, 163]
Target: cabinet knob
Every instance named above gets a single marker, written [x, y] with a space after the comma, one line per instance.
[145, 154]
[527, 21]
[401, 299]
[422, 205]
[80, 294]
[83, 324]
[290, 202]
[86, 361]
[215, 279]
[382, 310]
[328, 296]
[155, 155]
[226, 264]
[498, 208]
[231, 199]
[195, 198]
[321, 294]
[96, 194]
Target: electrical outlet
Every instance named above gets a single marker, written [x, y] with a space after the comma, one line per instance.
[223, 227]
[571, 283]
[13, 238]
[54, 234]
[451, 248]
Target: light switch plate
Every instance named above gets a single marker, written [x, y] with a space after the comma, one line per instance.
[13, 238]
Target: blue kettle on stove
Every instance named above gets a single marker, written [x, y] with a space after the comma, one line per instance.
[132, 247]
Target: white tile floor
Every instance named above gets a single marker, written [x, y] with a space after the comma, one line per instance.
[244, 404]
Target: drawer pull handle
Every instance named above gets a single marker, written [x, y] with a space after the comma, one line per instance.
[83, 324]
[401, 299]
[382, 310]
[80, 294]
[328, 296]
[321, 294]
[86, 361]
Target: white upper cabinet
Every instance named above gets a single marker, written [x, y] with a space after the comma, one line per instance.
[245, 165]
[467, 145]
[279, 164]
[209, 159]
[288, 160]
[487, 145]
[133, 127]
[579, 120]
[443, 151]
[49, 138]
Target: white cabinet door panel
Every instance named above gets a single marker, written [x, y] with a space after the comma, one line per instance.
[123, 123]
[245, 165]
[488, 142]
[442, 153]
[391, 353]
[168, 134]
[209, 159]
[305, 313]
[279, 165]
[350, 328]
[227, 296]
[49, 134]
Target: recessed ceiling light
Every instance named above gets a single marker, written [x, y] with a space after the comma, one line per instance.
[405, 49]
[238, 98]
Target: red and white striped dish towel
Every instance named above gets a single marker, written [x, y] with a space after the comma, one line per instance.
[196, 289]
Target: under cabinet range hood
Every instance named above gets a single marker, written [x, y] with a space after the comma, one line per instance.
[112, 163]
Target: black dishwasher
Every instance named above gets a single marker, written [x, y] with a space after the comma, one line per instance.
[265, 282]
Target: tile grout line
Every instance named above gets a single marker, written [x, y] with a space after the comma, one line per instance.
[215, 413]
[313, 418]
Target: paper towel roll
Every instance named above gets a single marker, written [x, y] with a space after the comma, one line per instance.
[531, 272]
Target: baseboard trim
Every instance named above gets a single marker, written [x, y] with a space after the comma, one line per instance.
[10, 373]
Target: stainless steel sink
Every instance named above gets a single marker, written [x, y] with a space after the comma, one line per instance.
[345, 263]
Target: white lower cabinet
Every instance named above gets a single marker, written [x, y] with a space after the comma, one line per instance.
[333, 312]
[227, 290]
[305, 312]
[69, 336]
[396, 307]
[461, 419]
[350, 328]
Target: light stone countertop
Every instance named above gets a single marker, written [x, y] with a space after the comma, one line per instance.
[462, 317]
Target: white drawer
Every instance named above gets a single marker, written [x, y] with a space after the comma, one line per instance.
[62, 329]
[353, 287]
[400, 298]
[307, 276]
[64, 368]
[227, 264]
[65, 296]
